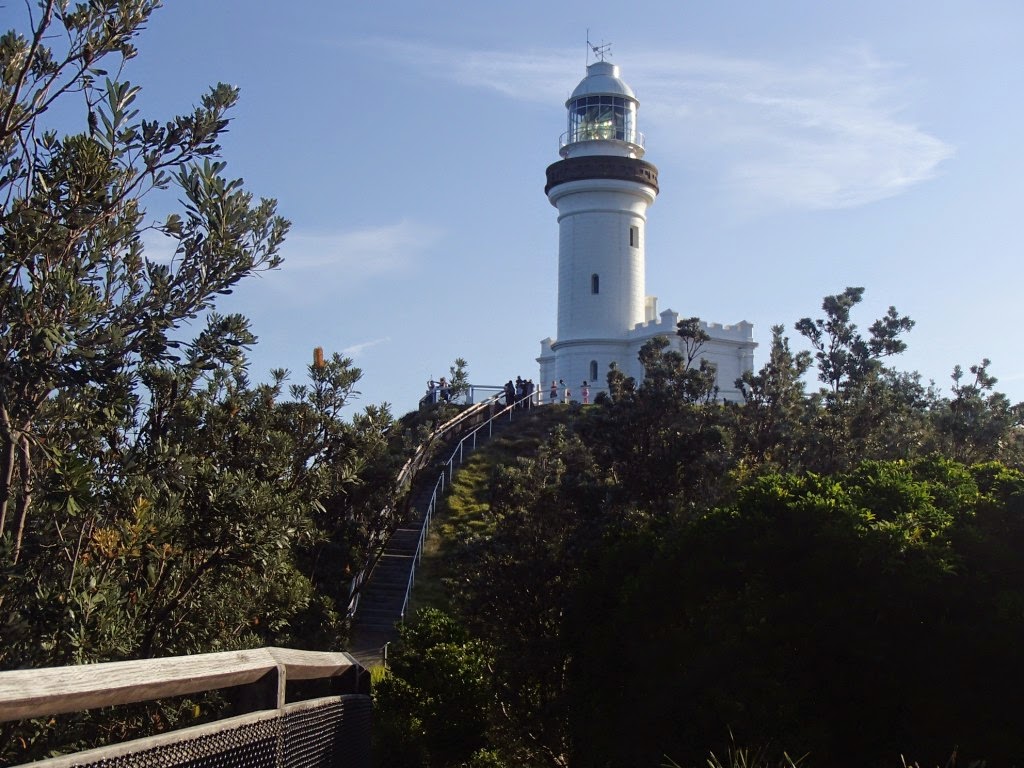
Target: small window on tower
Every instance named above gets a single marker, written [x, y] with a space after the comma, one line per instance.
[593, 370]
[634, 237]
[595, 284]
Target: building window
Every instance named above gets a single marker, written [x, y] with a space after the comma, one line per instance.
[595, 284]
[593, 370]
[634, 237]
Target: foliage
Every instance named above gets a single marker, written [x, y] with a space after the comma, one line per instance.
[153, 500]
[845, 358]
[803, 569]
[859, 388]
[776, 412]
[978, 423]
[458, 382]
[431, 707]
[662, 440]
[841, 617]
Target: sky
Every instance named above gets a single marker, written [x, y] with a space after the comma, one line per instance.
[802, 147]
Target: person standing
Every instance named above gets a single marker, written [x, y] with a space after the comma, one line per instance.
[554, 392]
[585, 391]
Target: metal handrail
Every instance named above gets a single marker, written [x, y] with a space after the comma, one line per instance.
[449, 469]
[375, 547]
[573, 137]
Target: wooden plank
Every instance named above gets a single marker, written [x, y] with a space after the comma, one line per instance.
[54, 690]
[311, 665]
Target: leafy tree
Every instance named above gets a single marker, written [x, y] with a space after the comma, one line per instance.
[432, 706]
[978, 423]
[458, 383]
[694, 338]
[80, 303]
[511, 588]
[845, 358]
[153, 500]
[852, 617]
[664, 438]
[773, 420]
[856, 381]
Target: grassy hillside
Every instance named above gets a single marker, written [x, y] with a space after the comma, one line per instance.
[462, 513]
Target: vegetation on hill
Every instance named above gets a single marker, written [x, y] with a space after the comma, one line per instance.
[831, 573]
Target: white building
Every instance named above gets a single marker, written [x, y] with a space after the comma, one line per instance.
[602, 189]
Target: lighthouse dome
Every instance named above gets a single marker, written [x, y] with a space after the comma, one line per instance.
[602, 78]
[602, 116]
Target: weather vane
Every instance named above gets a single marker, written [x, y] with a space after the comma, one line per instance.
[600, 51]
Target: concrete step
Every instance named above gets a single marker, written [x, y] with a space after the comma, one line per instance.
[374, 617]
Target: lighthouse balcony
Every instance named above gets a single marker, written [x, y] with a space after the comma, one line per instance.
[606, 133]
[614, 143]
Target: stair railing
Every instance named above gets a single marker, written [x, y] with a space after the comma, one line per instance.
[403, 481]
[470, 440]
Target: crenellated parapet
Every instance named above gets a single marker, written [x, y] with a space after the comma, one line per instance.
[739, 333]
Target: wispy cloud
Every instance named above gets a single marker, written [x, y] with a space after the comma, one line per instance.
[318, 265]
[157, 246]
[352, 254]
[819, 135]
[354, 350]
[359, 253]
[544, 76]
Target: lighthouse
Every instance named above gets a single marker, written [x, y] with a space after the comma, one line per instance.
[603, 188]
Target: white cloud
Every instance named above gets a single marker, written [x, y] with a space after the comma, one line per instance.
[351, 256]
[157, 246]
[829, 135]
[354, 350]
[538, 76]
[338, 265]
[359, 253]
[821, 135]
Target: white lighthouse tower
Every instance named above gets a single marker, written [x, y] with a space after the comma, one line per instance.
[602, 189]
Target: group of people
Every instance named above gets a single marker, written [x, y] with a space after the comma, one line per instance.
[562, 390]
[520, 393]
[437, 391]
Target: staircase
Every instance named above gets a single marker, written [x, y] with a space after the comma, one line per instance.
[382, 597]
[380, 607]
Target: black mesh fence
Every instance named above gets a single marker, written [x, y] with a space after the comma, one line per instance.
[327, 732]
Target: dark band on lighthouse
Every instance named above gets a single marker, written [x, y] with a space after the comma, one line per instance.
[602, 167]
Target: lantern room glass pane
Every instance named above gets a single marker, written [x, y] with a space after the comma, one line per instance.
[602, 118]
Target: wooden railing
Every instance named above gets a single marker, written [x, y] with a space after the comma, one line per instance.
[27, 693]
[259, 681]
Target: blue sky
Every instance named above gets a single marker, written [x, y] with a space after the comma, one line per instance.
[802, 147]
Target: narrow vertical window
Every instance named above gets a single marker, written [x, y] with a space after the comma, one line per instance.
[595, 284]
[634, 237]
[593, 370]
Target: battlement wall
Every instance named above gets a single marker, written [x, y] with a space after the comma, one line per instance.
[741, 332]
